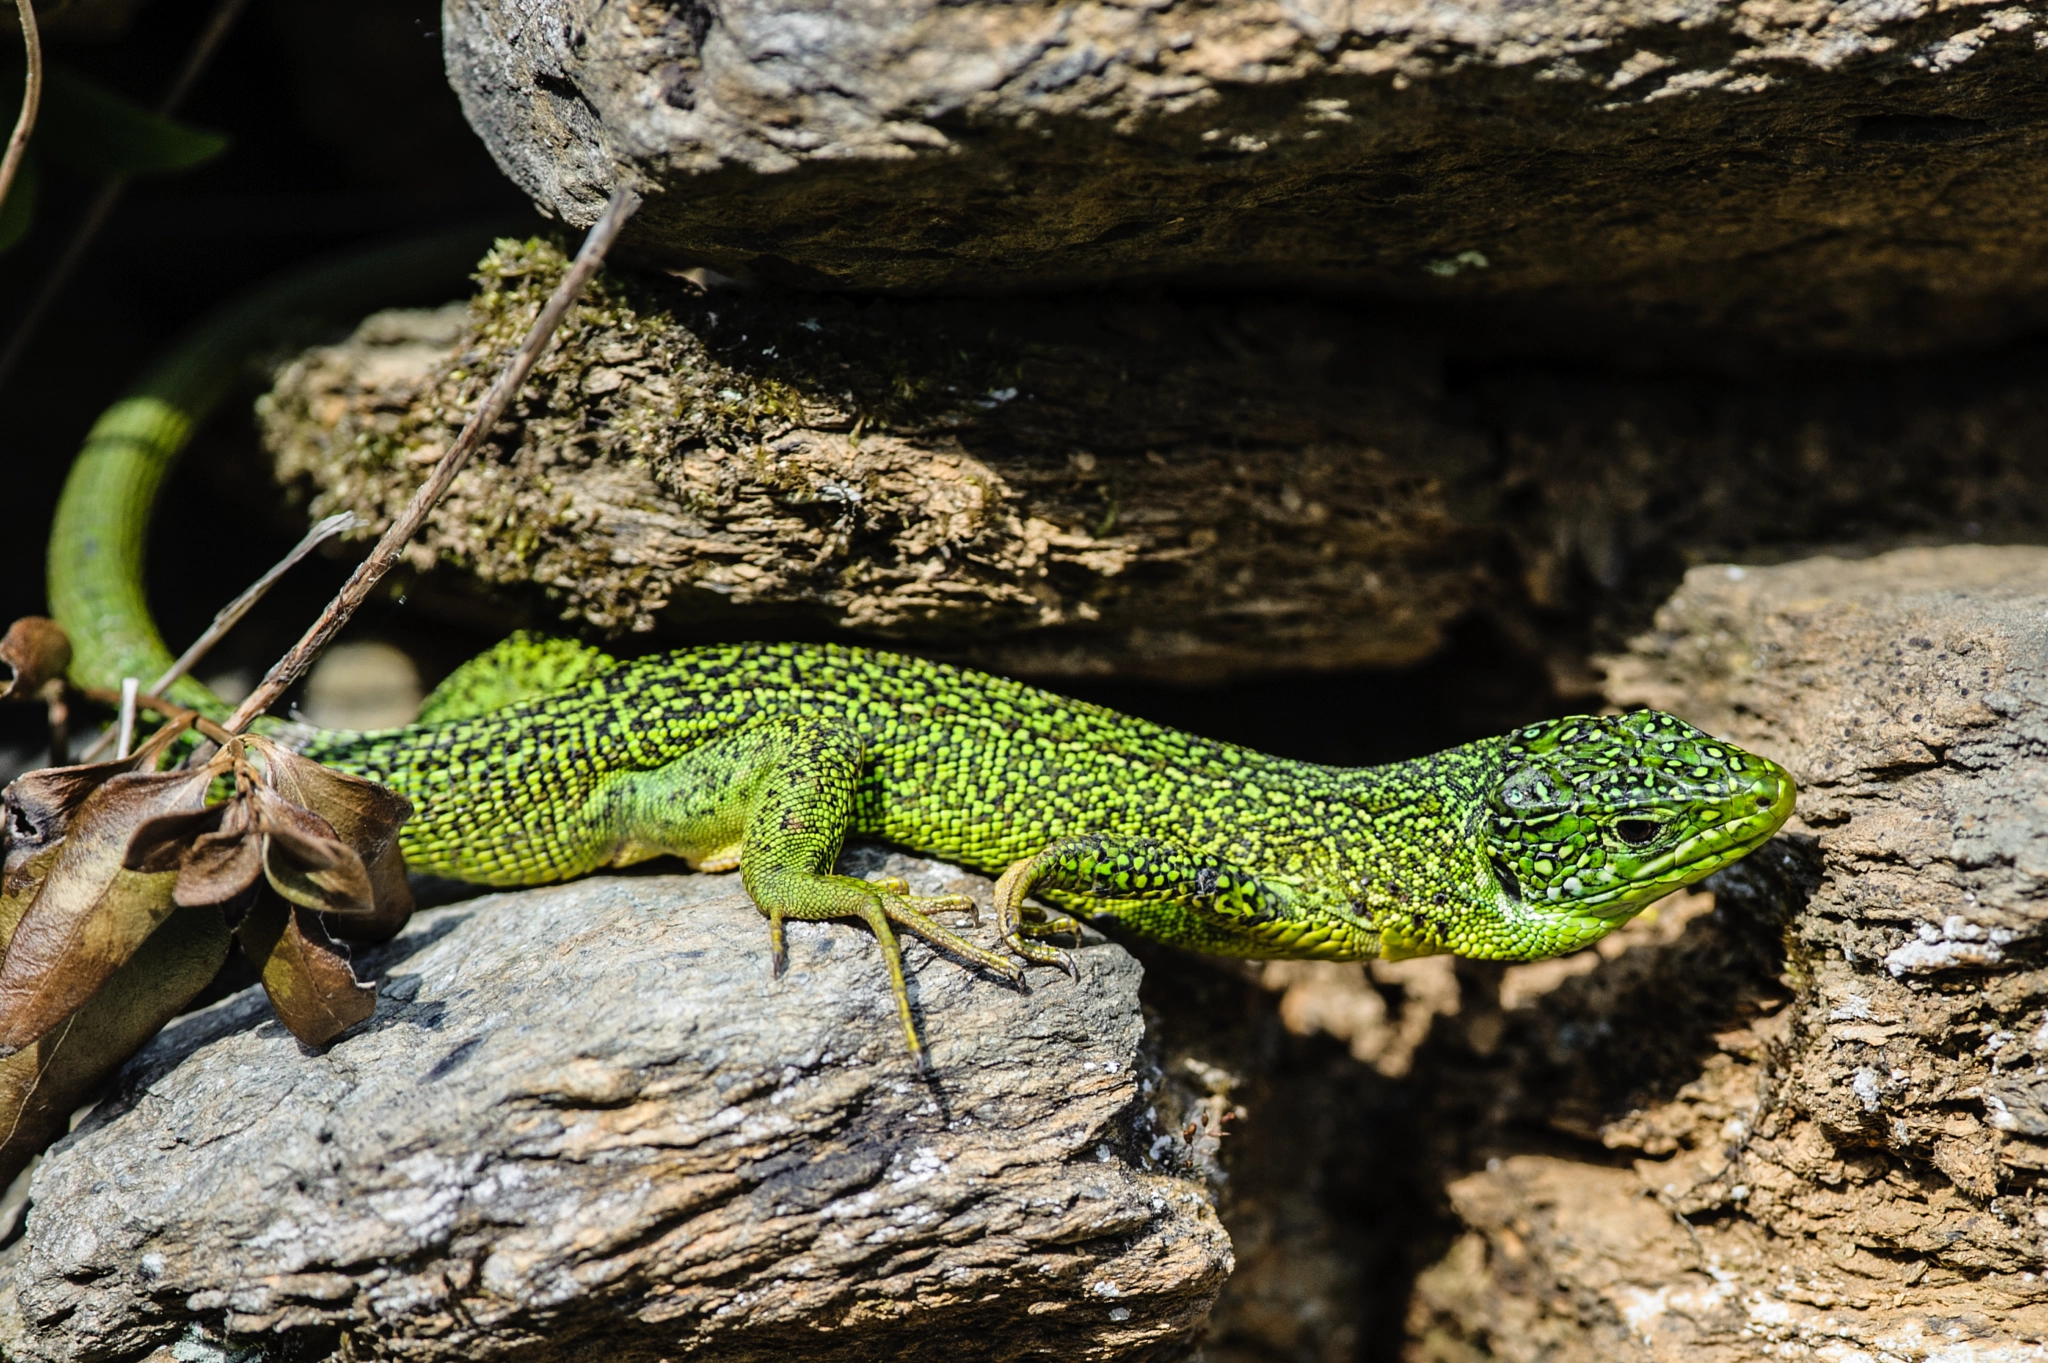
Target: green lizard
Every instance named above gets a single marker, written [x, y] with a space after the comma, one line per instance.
[546, 759]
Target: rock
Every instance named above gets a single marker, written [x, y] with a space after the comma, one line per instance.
[1570, 174]
[366, 685]
[906, 471]
[1859, 1169]
[584, 1118]
[1174, 488]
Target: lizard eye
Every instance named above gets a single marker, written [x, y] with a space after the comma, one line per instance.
[1636, 832]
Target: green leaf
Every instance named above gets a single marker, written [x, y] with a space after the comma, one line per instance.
[20, 209]
[87, 128]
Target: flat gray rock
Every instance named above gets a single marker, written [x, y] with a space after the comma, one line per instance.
[584, 1118]
[1857, 177]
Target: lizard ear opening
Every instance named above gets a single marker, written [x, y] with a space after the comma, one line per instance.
[1505, 874]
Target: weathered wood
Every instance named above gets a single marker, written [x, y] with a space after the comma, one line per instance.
[1169, 487]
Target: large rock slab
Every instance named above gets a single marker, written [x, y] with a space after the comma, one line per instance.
[1835, 176]
[1173, 487]
[1855, 1168]
[584, 1120]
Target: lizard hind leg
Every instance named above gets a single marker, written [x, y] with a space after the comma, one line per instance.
[788, 786]
[776, 799]
[787, 892]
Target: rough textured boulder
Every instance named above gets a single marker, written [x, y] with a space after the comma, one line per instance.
[1797, 1111]
[1575, 172]
[584, 1119]
[1854, 1170]
[1177, 488]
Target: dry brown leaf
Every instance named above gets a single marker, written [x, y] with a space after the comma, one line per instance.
[39, 806]
[18, 889]
[305, 862]
[162, 842]
[42, 1085]
[393, 898]
[100, 855]
[362, 876]
[306, 974]
[222, 862]
[361, 813]
[91, 912]
[36, 650]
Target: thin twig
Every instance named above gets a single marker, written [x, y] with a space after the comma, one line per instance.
[481, 422]
[130, 689]
[104, 202]
[57, 706]
[31, 98]
[203, 47]
[169, 709]
[231, 614]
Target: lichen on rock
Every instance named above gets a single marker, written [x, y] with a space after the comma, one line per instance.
[732, 481]
[1028, 486]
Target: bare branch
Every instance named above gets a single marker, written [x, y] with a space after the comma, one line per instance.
[57, 705]
[229, 616]
[232, 613]
[203, 47]
[125, 726]
[31, 98]
[481, 422]
[169, 709]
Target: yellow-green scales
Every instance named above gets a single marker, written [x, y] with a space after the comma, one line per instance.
[542, 760]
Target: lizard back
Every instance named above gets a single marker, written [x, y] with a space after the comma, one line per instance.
[961, 765]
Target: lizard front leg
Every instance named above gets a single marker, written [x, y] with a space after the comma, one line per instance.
[1172, 895]
[783, 790]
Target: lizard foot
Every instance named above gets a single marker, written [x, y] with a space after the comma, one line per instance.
[914, 912]
[896, 885]
[1050, 924]
[1010, 911]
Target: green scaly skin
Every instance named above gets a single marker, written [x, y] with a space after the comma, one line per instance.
[542, 760]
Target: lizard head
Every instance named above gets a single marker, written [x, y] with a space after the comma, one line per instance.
[1592, 818]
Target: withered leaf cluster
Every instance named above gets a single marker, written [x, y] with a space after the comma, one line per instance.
[116, 848]
[123, 886]
[35, 651]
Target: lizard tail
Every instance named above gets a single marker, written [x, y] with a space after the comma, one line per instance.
[96, 584]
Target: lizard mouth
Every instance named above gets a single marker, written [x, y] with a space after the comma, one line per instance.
[1749, 820]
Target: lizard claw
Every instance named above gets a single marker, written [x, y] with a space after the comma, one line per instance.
[1042, 955]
